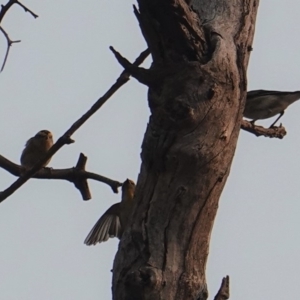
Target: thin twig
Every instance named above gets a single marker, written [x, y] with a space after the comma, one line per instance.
[9, 44]
[4, 10]
[66, 137]
[27, 9]
[9, 4]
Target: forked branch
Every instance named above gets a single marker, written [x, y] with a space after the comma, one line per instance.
[77, 175]
[66, 137]
[4, 10]
[9, 44]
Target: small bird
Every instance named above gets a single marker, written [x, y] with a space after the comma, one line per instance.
[35, 149]
[261, 104]
[114, 221]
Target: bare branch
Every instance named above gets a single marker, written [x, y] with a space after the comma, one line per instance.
[273, 132]
[9, 44]
[27, 9]
[66, 137]
[9, 4]
[223, 293]
[77, 175]
[4, 9]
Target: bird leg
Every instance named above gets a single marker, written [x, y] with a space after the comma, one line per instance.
[281, 114]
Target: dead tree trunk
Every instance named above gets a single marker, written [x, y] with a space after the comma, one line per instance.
[197, 85]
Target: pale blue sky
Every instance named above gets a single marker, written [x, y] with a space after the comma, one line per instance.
[54, 75]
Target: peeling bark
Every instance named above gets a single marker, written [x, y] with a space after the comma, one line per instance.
[197, 87]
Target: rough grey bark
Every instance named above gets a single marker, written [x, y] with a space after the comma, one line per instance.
[197, 87]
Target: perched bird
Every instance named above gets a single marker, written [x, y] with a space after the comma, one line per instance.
[35, 148]
[261, 104]
[114, 221]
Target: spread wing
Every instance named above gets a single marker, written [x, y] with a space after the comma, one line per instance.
[107, 226]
